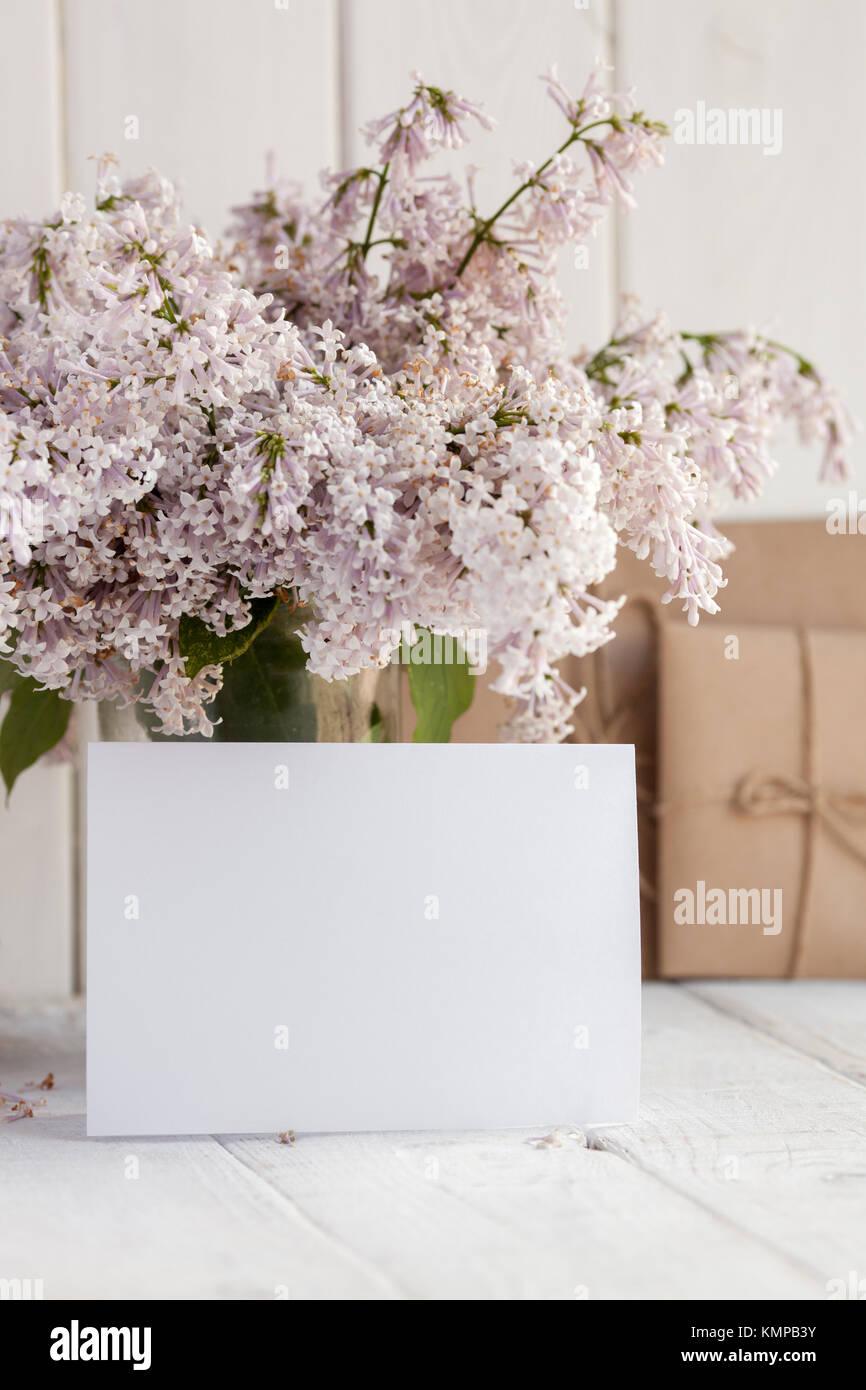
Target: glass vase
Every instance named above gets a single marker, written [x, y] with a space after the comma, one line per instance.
[268, 696]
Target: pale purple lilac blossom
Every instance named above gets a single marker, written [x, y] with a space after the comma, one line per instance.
[368, 403]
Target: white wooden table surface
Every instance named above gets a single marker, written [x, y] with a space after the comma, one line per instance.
[745, 1177]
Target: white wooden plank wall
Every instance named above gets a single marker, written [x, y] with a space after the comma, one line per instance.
[37, 913]
[491, 51]
[722, 235]
[727, 235]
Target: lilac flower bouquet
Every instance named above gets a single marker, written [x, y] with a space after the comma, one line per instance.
[356, 420]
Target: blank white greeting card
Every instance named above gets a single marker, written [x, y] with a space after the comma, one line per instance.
[326, 937]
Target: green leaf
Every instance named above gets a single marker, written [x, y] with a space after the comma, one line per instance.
[202, 647]
[265, 697]
[35, 721]
[440, 694]
[376, 731]
[9, 677]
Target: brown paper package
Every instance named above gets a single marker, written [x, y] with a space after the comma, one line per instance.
[762, 802]
[788, 572]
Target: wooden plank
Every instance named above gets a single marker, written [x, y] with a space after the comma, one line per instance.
[824, 1018]
[766, 1138]
[30, 152]
[424, 1216]
[213, 84]
[492, 53]
[728, 236]
[87, 722]
[36, 898]
[489, 1216]
[193, 1223]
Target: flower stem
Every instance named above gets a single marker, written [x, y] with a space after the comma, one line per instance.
[368, 238]
[483, 230]
[706, 340]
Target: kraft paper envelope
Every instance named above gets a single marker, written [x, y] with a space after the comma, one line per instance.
[326, 937]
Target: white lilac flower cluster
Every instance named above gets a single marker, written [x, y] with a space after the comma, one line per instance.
[367, 408]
